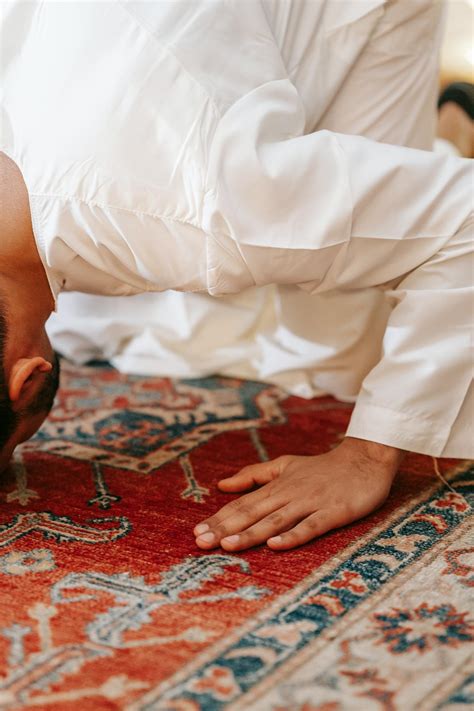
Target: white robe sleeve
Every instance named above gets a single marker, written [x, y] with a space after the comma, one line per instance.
[422, 387]
[330, 211]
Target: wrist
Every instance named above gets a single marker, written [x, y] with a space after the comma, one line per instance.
[382, 454]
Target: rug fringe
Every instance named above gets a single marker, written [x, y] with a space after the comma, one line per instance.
[446, 482]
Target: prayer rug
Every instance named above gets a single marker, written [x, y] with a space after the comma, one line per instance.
[106, 603]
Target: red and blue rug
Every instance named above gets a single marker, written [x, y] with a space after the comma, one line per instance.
[106, 603]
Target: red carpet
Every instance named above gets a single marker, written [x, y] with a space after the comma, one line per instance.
[106, 603]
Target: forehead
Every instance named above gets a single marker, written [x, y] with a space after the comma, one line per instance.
[26, 429]
[5, 456]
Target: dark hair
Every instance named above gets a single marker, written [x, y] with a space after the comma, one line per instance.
[43, 402]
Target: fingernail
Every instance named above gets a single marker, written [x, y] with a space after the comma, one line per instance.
[201, 528]
[231, 539]
[207, 537]
[275, 539]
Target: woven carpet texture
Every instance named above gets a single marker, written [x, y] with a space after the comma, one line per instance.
[106, 603]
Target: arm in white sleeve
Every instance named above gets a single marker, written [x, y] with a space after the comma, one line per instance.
[332, 211]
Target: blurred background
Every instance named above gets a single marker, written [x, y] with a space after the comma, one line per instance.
[457, 58]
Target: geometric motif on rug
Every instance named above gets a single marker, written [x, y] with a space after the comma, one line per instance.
[106, 603]
[140, 424]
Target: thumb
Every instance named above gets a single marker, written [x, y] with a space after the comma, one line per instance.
[254, 474]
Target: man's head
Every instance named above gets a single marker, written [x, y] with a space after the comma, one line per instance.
[28, 386]
[29, 370]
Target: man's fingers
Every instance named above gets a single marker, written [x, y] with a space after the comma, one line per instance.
[279, 520]
[246, 510]
[235, 517]
[254, 474]
[315, 525]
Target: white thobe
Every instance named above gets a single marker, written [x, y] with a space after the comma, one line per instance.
[206, 147]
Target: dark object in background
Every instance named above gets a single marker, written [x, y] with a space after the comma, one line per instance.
[461, 93]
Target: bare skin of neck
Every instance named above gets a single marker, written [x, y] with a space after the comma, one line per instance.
[23, 281]
[24, 290]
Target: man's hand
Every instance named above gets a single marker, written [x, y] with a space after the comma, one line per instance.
[301, 497]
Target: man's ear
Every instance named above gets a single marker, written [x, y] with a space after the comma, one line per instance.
[24, 375]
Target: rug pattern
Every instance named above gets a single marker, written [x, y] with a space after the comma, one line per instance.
[105, 602]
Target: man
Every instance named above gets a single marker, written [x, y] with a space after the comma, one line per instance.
[158, 146]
